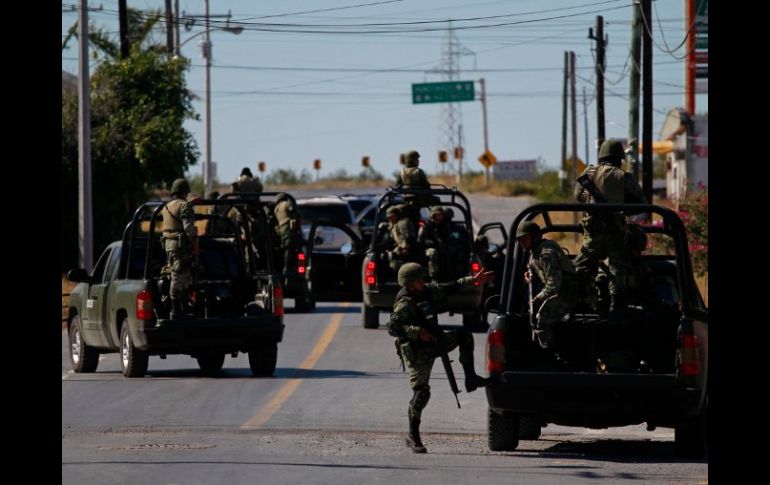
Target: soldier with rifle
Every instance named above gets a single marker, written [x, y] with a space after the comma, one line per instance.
[180, 240]
[419, 340]
[604, 233]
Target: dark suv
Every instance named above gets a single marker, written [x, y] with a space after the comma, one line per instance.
[651, 368]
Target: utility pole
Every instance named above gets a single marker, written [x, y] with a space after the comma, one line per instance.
[169, 29]
[564, 183]
[573, 107]
[85, 207]
[647, 100]
[600, 65]
[633, 90]
[486, 135]
[178, 38]
[206, 50]
[689, 65]
[461, 141]
[123, 21]
[585, 123]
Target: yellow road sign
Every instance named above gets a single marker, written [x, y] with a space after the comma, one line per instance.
[488, 159]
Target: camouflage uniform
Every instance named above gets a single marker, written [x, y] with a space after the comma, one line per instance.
[413, 312]
[247, 184]
[560, 287]
[433, 236]
[288, 227]
[413, 177]
[403, 235]
[179, 236]
[603, 235]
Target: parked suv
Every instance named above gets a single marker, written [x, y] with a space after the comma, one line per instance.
[650, 368]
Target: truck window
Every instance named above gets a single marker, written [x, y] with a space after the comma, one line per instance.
[112, 265]
[98, 272]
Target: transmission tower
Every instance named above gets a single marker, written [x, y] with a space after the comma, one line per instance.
[451, 114]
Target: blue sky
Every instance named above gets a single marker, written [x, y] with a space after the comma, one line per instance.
[287, 98]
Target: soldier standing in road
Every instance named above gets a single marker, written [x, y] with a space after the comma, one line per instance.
[557, 273]
[247, 183]
[414, 312]
[604, 234]
[288, 227]
[180, 242]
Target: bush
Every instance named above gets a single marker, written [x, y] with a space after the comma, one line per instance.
[694, 211]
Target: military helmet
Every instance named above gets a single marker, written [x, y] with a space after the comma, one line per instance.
[393, 211]
[282, 196]
[527, 227]
[436, 209]
[636, 238]
[449, 213]
[246, 171]
[411, 272]
[611, 150]
[412, 158]
[180, 186]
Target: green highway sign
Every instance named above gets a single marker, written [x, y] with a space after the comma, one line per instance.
[446, 92]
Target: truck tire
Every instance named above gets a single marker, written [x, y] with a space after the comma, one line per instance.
[210, 362]
[529, 427]
[503, 431]
[370, 317]
[691, 438]
[262, 360]
[84, 359]
[133, 362]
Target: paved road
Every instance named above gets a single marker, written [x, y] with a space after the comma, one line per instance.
[334, 413]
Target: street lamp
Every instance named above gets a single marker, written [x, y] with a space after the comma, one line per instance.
[205, 46]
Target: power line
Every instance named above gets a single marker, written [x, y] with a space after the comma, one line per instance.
[321, 10]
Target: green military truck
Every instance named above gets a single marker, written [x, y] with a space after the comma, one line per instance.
[651, 368]
[124, 306]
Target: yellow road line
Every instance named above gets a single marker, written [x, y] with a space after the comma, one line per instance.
[288, 389]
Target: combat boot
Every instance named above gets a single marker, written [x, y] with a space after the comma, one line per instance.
[413, 440]
[472, 380]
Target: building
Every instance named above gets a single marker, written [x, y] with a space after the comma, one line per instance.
[687, 162]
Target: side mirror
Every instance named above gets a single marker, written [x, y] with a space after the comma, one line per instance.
[78, 275]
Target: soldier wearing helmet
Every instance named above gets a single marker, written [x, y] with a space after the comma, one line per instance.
[179, 240]
[247, 183]
[413, 312]
[434, 237]
[604, 234]
[413, 177]
[288, 227]
[403, 236]
[557, 274]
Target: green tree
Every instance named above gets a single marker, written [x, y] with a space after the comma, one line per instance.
[138, 107]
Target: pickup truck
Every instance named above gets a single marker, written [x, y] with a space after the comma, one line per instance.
[652, 368]
[378, 280]
[123, 304]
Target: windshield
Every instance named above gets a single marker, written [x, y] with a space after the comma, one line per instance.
[325, 212]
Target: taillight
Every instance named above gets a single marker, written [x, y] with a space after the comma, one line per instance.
[689, 355]
[370, 274]
[475, 267]
[496, 351]
[144, 310]
[301, 263]
[277, 301]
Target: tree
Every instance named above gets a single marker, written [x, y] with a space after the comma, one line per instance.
[138, 107]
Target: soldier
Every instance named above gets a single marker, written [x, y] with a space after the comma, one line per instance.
[433, 236]
[180, 242]
[556, 272]
[404, 237]
[604, 234]
[413, 177]
[414, 324]
[247, 183]
[288, 227]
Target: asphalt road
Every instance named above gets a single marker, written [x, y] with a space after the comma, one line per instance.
[335, 412]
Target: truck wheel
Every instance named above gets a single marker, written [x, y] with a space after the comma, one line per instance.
[529, 427]
[691, 438]
[503, 431]
[370, 317]
[83, 358]
[210, 362]
[262, 360]
[133, 362]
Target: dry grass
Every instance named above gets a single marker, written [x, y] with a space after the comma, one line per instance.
[66, 287]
